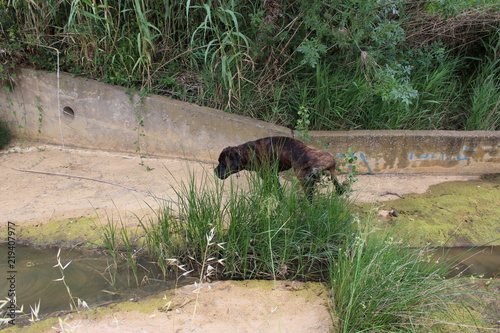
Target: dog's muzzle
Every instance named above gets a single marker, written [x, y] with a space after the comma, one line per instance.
[221, 172]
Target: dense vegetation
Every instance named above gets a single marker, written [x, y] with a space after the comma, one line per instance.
[225, 231]
[362, 64]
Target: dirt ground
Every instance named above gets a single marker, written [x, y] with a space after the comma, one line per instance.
[34, 199]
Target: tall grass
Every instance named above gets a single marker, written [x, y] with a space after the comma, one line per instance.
[484, 113]
[424, 94]
[379, 285]
[225, 52]
[263, 231]
[284, 236]
[119, 243]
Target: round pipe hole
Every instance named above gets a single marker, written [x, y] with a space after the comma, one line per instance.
[68, 112]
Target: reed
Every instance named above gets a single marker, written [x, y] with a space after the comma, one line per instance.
[379, 284]
[263, 231]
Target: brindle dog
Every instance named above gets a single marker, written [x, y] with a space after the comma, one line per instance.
[276, 154]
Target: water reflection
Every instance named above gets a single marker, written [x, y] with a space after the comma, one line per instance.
[483, 261]
[89, 277]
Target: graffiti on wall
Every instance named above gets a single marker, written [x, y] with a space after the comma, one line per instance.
[362, 157]
[431, 156]
[438, 156]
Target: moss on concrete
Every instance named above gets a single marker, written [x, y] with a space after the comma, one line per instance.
[146, 306]
[452, 214]
[66, 232]
[40, 326]
[307, 290]
[87, 232]
[476, 308]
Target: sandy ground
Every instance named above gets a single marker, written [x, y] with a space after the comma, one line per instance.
[223, 306]
[32, 198]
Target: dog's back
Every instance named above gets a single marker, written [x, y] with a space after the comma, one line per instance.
[277, 151]
[288, 152]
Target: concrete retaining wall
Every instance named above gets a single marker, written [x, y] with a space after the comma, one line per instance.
[98, 115]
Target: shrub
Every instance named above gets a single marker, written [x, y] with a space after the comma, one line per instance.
[371, 64]
[380, 285]
[5, 134]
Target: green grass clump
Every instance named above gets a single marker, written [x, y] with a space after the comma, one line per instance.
[260, 232]
[379, 285]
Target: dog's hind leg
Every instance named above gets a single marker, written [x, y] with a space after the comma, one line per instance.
[338, 187]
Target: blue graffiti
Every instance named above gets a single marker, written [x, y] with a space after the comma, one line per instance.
[363, 159]
[414, 157]
[441, 156]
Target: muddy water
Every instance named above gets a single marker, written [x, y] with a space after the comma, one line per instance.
[481, 261]
[89, 277]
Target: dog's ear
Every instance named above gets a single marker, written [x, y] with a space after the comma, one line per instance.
[235, 158]
[224, 154]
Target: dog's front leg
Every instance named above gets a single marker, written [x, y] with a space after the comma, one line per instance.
[308, 179]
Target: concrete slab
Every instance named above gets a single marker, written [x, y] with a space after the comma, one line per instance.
[76, 112]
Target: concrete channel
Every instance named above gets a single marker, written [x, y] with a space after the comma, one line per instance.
[84, 113]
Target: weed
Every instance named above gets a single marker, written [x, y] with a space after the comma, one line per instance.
[40, 113]
[12, 311]
[34, 312]
[5, 134]
[139, 108]
[79, 304]
[348, 159]
[379, 284]
[371, 64]
[303, 123]
[207, 265]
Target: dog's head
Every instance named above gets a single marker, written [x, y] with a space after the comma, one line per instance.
[230, 161]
